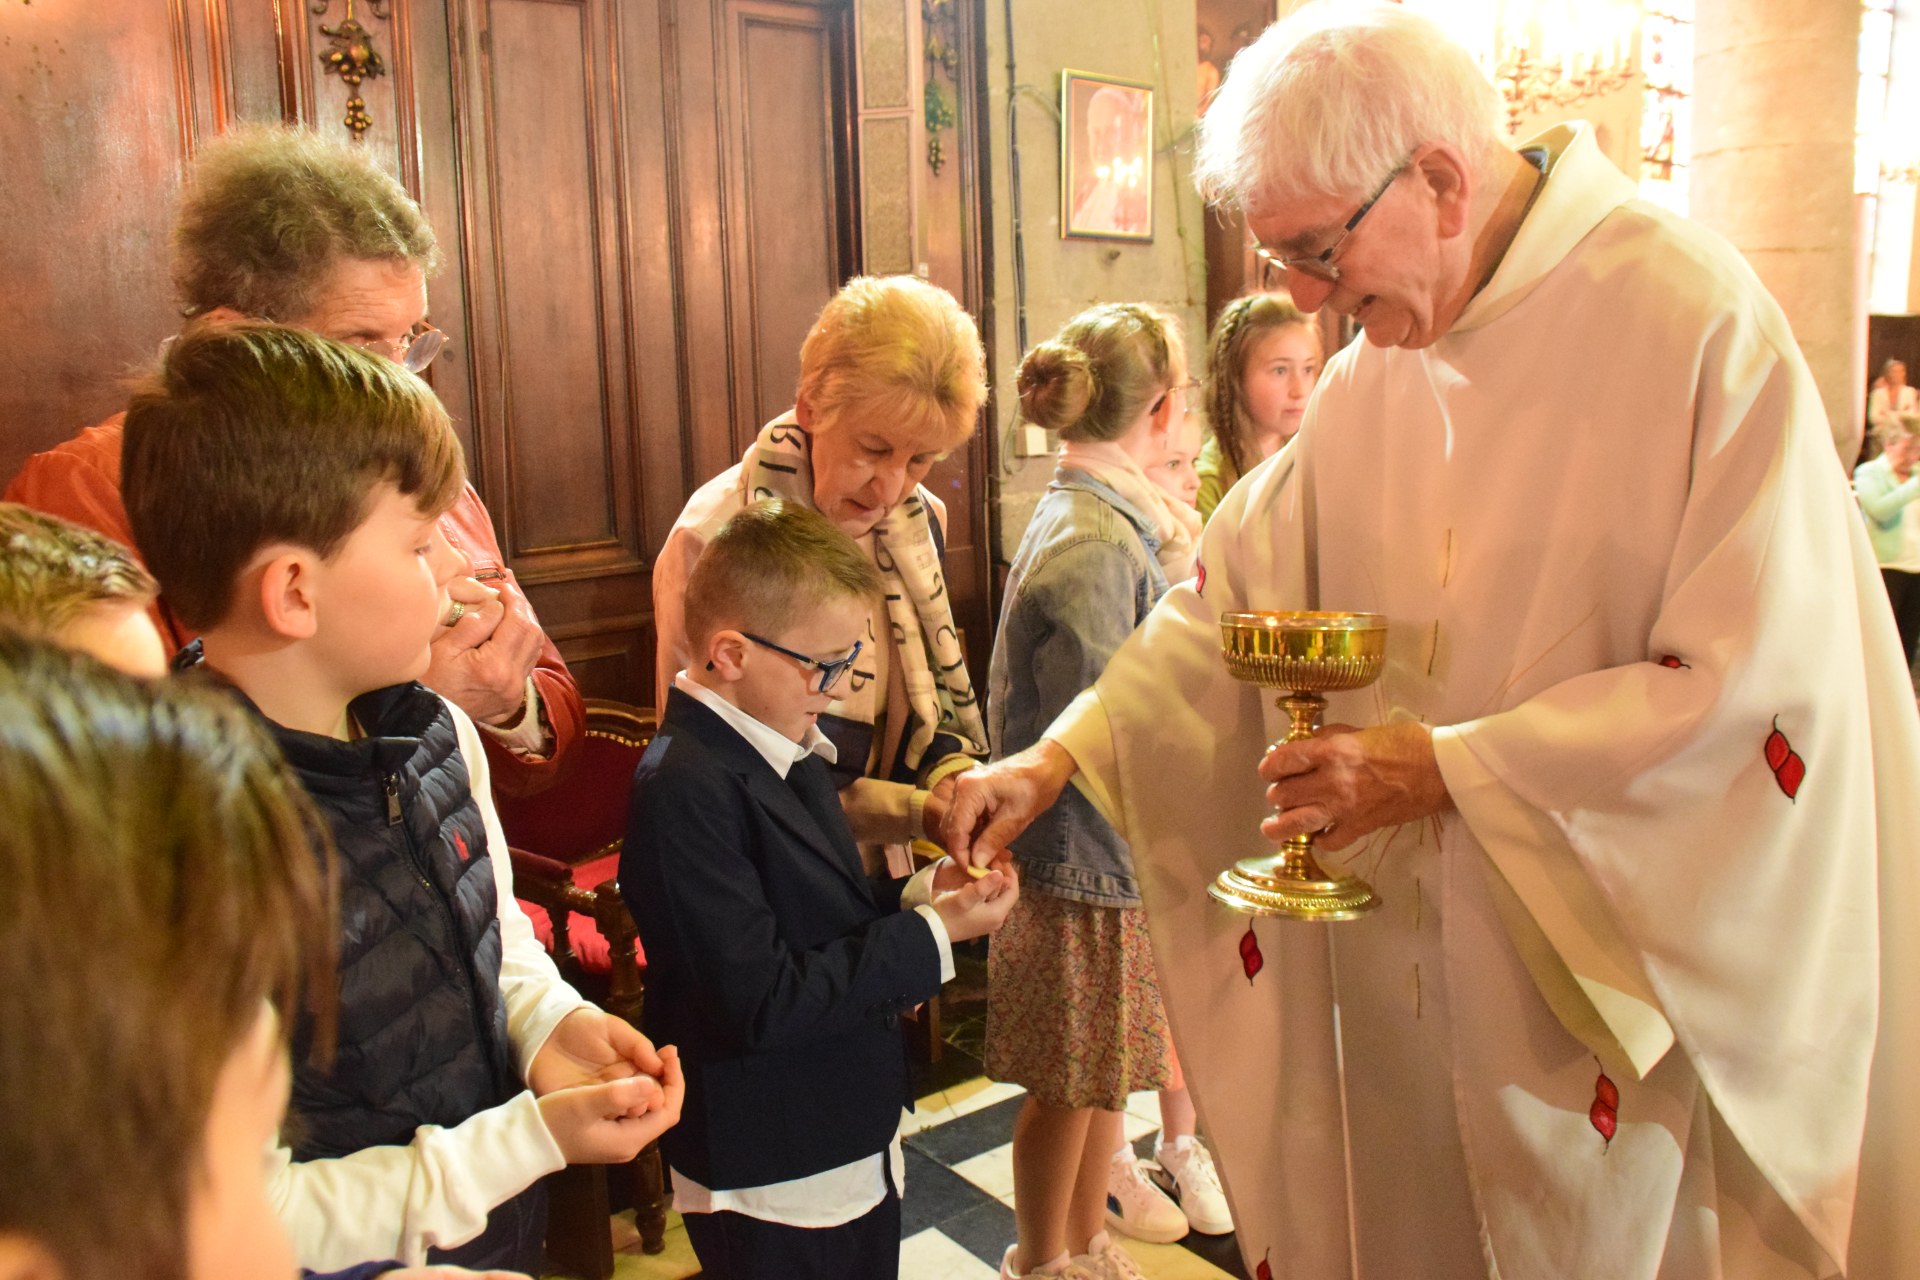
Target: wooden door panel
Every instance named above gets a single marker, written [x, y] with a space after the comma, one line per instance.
[549, 235]
[783, 160]
[84, 257]
[559, 436]
[655, 229]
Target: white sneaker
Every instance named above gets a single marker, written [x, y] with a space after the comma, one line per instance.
[1187, 1174]
[1137, 1207]
[1062, 1268]
[1105, 1258]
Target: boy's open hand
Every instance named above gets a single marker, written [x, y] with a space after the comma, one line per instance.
[950, 876]
[980, 907]
[610, 1123]
[591, 1047]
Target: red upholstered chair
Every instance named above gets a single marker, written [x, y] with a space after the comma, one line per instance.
[565, 845]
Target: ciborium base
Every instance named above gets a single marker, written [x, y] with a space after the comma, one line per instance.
[1250, 893]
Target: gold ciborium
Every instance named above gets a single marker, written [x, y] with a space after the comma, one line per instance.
[1305, 655]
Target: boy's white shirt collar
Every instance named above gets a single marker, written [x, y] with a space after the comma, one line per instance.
[776, 748]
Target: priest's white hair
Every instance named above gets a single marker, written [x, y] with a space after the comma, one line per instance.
[1335, 95]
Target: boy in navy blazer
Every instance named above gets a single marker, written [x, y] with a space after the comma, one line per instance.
[774, 963]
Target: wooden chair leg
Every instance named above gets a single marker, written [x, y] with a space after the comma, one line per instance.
[650, 1199]
[579, 1237]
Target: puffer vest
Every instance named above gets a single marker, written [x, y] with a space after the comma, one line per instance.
[423, 1026]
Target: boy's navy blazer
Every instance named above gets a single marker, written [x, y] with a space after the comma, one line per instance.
[773, 962]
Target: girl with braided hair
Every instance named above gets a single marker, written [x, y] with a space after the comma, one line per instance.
[1262, 364]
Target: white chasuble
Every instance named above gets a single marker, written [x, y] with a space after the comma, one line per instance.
[1622, 1012]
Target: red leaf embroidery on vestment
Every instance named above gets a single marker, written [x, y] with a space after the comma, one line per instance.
[1789, 770]
[1264, 1271]
[1250, 958]
[1791, 774]
[1604, 1119]
[1674, 663]
[1604, 1114]
[1777, 748]
[1200, 581]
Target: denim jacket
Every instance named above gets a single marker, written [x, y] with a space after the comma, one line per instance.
[1085, 576]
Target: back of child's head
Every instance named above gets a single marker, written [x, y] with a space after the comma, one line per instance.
[1241, 325]
[256, 434]
[1105, 367]
[52, 571]
[160, 888]
[770, 566]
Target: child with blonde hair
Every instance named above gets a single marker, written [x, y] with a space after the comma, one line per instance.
[774, 962]
[1178, 472]
[63, 582]
[1073, 1012]
[1183, 1168]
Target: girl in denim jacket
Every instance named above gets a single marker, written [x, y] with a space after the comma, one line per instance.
[1073, 1012]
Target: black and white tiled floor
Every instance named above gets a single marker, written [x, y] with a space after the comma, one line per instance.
[957, 1217]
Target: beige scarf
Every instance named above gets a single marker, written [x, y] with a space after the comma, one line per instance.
[1176, 524]
[933, 666]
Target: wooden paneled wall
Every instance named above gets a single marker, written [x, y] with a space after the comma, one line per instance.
[641, 204]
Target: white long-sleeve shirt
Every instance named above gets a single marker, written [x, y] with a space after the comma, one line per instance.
[397, 1202]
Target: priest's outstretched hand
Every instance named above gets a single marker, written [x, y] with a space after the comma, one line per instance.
[992, 805]
[1346, 783]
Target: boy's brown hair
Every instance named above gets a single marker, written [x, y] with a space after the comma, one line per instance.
[253, 434]
[160, 883]
[768, 566]
[52, 570]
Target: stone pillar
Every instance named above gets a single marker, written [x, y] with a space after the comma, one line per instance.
[1774, 86]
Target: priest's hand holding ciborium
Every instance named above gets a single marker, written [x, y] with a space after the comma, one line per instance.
[1306, 655]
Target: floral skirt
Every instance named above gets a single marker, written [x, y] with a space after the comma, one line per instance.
[1073, 1010]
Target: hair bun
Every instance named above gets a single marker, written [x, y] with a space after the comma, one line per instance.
[1056, 385]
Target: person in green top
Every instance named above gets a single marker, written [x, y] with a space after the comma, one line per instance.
[1262, 364]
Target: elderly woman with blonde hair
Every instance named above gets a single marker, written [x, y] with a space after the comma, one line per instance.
[891, 381]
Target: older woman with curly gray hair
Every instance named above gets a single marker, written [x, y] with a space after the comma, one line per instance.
[282, 224]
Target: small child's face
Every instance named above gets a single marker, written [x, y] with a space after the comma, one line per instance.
[383, 594]
[1176, 473]
[232, 1229]
[1283, 366]
[784, 694]
[120, 634]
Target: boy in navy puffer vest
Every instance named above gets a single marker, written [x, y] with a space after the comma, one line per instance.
[284, 490]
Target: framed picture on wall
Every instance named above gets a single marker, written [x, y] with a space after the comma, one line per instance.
[1106, 158]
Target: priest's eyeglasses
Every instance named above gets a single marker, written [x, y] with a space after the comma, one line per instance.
[831, 673]
[1321, 265]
